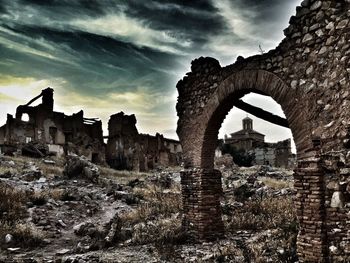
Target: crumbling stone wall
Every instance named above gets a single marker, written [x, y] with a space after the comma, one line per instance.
[275, 154]
[308, 75]
[123, 147]
[60, 132]
[127, 149]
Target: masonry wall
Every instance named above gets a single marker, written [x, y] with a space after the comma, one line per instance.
[127, 149]
[55, 129]
[308, 75]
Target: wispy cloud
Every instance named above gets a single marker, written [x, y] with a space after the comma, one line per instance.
[131, 30]
[107, 56]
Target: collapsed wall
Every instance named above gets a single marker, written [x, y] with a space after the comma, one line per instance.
[45, 131]
[60, 133]
[275, 154]
[129, 150]
[123, 150]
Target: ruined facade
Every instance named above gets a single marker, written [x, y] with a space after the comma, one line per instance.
[127, 149]
[61, 133]
[308, 75]
[275, 154]
[247, 138]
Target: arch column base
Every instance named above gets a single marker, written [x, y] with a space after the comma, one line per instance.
[201, 194]
[312, 243]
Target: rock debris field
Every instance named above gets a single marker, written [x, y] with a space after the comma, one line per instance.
[70, 210]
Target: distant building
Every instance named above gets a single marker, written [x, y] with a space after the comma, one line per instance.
[130, 150]
[38, 131]
[247, 138]
[275, 154]
[59, 132]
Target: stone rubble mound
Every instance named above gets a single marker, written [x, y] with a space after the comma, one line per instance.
[80, 167]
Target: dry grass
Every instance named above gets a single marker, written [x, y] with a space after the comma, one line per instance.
[39, 198]
[47, 169]
[274, 215]
[157, 203]
[12, 203]
[166, 230]
[50, 169]
[56, 194]
[263, 214]
[275, 183]
[11, 170]
[12, 211]
[123, 177]
[157, 219]
[24, 234]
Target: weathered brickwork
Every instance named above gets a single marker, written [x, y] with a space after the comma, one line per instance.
[308, 75]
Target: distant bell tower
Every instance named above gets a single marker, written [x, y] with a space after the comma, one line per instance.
[247, 123]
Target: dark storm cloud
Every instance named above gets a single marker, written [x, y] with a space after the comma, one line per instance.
[104, 47]
[96, 63]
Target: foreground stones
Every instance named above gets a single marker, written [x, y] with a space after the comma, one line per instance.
[82, 221]
[80, 167]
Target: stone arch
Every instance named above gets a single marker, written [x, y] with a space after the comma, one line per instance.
[308, 75]
[201, 183]
[236, 86]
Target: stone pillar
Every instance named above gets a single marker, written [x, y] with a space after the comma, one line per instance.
[310, 207]
[201, 194]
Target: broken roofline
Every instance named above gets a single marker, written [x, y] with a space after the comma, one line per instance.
[47, 95]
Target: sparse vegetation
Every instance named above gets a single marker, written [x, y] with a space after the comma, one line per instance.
[12, 211]
[262, 214]
[123, 177]
[276, 184]
[157, 203]
[12, 205]
[153, 215]
[39, 198]
[24, 234]
[273, 214]
[157, 220]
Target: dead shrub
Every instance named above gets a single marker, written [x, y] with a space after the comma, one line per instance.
[39, 198]
[24, 234]
[156, 203]
[276, 184]
[12, 203]
[260, 214]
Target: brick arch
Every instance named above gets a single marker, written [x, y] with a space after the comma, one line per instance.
[308, 75]
[201, 183]
[236, 86]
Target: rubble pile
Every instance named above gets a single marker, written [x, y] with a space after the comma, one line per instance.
[77, 166]
[85, 214]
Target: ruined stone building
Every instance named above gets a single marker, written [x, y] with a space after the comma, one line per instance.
[247, 138]
[61, 133]
[308, 74]
[275, 154]
[127, 149]
[58, 134]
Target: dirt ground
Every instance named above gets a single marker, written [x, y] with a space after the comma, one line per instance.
[136, 217]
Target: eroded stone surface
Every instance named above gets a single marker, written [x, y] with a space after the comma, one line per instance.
[306, 74]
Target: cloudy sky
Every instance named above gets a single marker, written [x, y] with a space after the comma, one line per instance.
[106, 56]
